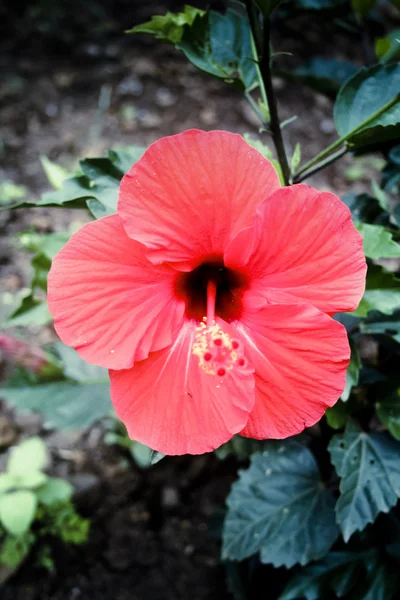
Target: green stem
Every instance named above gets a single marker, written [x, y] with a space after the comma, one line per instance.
[339, 142]
[256, 109]
[324, 163]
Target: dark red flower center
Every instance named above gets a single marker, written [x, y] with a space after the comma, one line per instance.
[230, 285]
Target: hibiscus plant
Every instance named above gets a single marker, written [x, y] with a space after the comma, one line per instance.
[241, 311]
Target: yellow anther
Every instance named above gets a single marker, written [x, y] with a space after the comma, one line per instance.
[215, 349]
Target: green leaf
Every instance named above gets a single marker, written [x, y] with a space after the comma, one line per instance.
[338, 572]
[220, 46]
[169, 27]
[364, 208]
[156, 457]
[214, 43]
[338, 415]
[125, 158]
[368, 91]
[369, 467]
[387, 48]
[30, 312]
[352, 372]
[96, 187]
[378, 241]
[76, 368]
[142, 455]
[239, 446]
[55, 173]
[63, 404]
[14, 549]
[28, 456]
[319, 4]
[258, 145]
[7, 482]
[296, 158]
[48, 244]
[55, 491]
[17, 511]
[380, 195]
[362, 7]
[382, 292]
[321, 74]
[378, 324]
[280, 507]
[30, 480]
[388, 413]
[11, 194]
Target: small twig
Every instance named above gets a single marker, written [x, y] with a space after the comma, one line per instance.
[324, 163]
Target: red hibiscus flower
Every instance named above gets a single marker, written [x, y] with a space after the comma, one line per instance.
[208, 296]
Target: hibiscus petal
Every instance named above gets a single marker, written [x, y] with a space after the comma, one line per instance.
[172, 405]
[108, 301]
[302, 246]
[191, 193]
[300, 356]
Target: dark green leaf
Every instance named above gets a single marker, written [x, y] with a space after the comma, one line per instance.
[66, 404]
[169, 27]
[220, 45]
[364, 208]
[382, 292]
[63, 405]
[338, 415]
[361, 97]
[369, 467]
[280, 507]
[73, 193]
[362, 7]
[214, 43]
[380, 585]
[96, 187]
[338, 572]
[379, 324]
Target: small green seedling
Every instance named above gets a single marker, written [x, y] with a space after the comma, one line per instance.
[31, 502]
